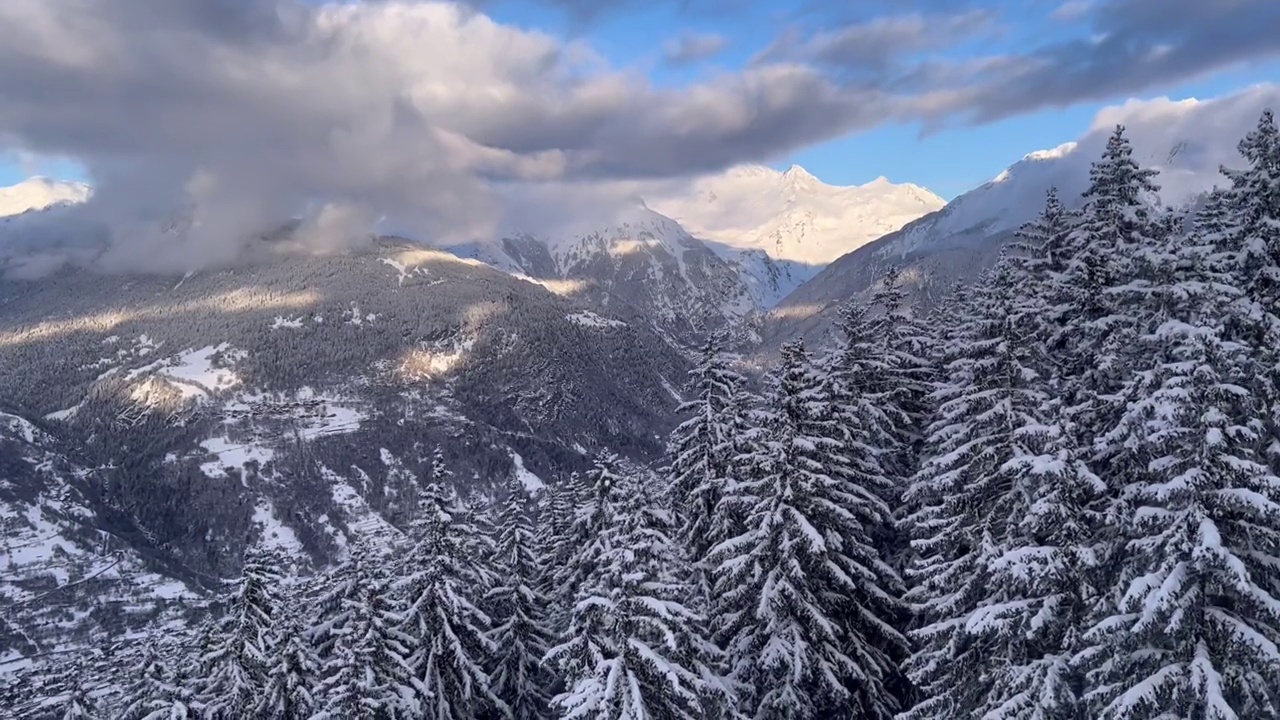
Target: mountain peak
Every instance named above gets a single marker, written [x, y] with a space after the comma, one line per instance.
[38, 192]
[797, 173]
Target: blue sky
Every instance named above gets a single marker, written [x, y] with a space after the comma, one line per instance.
[942, 93]
[947, 161]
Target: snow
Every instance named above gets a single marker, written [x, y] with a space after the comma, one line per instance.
[191, 372]
[283, 322]
[586, 318]
[532, 483]
[792, 216]
[38, 193]
[20, 426]
[232, 454]
[671, 390]
[64, 414]
[1185, 141]
[275, 534]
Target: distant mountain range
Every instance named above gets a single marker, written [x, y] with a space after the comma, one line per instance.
[1186, 141]
[798, 224]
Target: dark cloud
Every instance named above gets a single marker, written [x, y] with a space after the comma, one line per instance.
[692, 48]
[1133, 46]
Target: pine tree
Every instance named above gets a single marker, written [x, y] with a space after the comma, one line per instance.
[366, 673]
[634, 649]
[1097, 292]
[1246, 230]
[702, 451]
[442, 619]
[555, 533]
[807, 600]
[594, 511]
[996, 573]
[292, 671]
[156, 692]
[900, 382]
[520, 633]
[1196, 623]
[235, 666]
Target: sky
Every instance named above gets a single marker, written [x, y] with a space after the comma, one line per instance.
[440, 113]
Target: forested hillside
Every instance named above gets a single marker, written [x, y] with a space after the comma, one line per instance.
[1055, 498]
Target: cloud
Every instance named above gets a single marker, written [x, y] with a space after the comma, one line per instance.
[205, 122]
[1131, 47]
[879, 44]
[1071, 10]
[219, 118]
[691, 48]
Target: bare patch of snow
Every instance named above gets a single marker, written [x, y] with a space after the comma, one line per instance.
[531, 482]
[283, 322]
[232, 454]
[586, 318]
[275, 534]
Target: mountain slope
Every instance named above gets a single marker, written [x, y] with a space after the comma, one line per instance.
[1186, 141]
[643, 267]
[783, 227]
[295, 402]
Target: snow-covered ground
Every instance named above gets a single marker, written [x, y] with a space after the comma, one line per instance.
[586, 318]
[531, 482]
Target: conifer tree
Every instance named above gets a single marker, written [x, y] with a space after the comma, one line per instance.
[155, 691]
[520, 632]
[595, 509]
[635, 650]
[1195, 625]
[996, 578]
[366, 673]
[442, 618]
[808, 603]
[235, 666]
[292, 670]
[702, 450]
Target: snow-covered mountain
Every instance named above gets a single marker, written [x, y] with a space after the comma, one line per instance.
[783, 227]
[152, 425]
[38, 193]
[641, 266]
[1186, 141]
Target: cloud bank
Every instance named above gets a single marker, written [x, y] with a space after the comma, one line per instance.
[205, 122]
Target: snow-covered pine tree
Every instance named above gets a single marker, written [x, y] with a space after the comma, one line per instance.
[1040, 256]
[595, 498]
[366, 673]
[441, 617]
[1196, 624]
[902, 382]
[702, 451]
[1096, 294]
[555, 523]
[155, 692]
[1248, 236]
[292, 672]
[521, 633]
[235, 666]
[807, 602]
[997, 563]
[634, 649]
